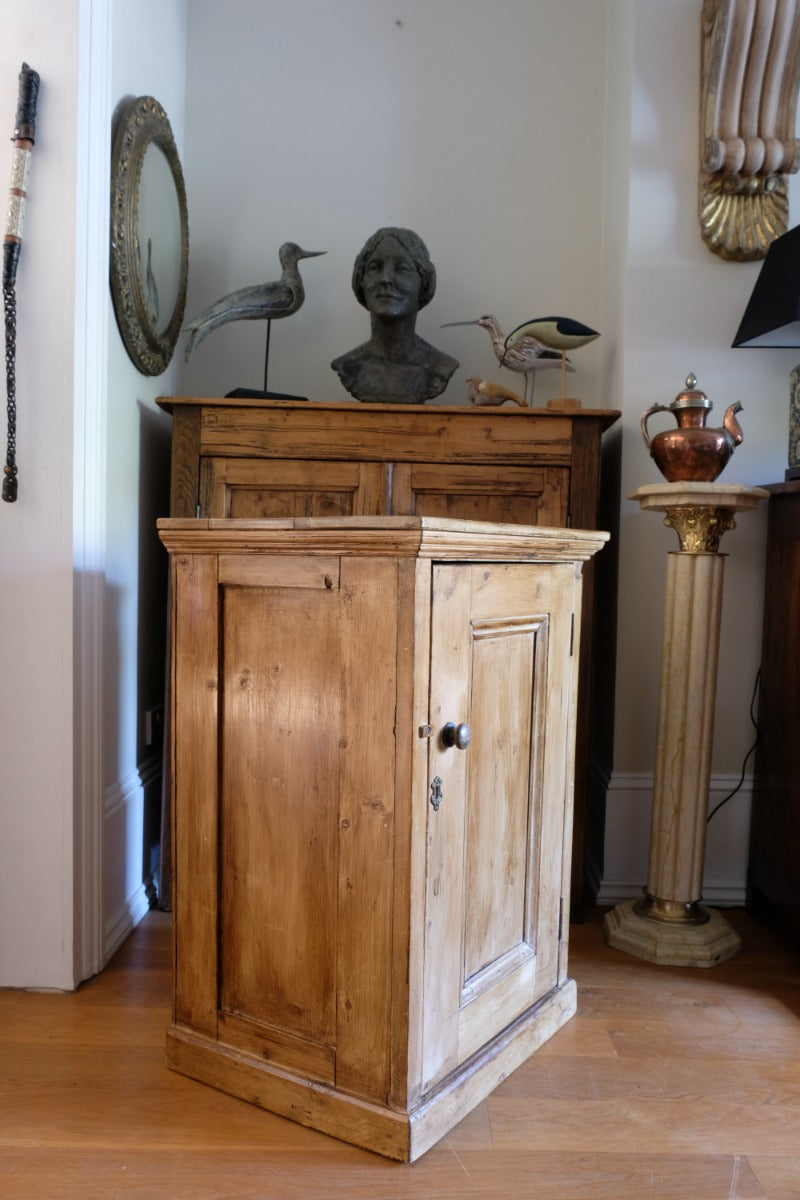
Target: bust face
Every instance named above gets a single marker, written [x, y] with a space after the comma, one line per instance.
[391, 283]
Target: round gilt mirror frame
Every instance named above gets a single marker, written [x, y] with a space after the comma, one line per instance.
[142, 123]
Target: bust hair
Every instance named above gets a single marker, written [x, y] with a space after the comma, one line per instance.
[417, 251]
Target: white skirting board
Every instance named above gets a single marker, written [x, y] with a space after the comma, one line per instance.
[627, 841]
[127, 887]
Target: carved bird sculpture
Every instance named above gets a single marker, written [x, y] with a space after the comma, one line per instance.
[262, 302]
[527, 356]
[483, 393]
[556, 333]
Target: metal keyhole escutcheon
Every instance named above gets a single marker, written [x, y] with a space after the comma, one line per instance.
[459, 736]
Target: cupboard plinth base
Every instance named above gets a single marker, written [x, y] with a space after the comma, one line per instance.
[671, 943]
[393, 1133]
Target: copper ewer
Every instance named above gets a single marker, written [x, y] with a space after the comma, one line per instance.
[692, 452]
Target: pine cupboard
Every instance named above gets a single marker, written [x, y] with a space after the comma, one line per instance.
[373, 727]
[251, 458]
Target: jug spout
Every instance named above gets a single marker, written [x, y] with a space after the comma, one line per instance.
[732, 426]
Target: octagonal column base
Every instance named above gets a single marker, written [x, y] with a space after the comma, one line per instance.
[671, 943]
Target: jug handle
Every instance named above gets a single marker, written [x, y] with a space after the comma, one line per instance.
[654, 408]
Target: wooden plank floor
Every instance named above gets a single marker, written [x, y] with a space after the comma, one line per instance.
[670, 1084]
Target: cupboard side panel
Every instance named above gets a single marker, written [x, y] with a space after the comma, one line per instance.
[368, 641]
[194, 696]
[278, 806]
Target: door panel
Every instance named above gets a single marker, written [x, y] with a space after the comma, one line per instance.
[500, 662]
[498, 765]
[278, 810]
[516, 495]
[265, 487]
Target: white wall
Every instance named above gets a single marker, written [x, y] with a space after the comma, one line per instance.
[479, 126]
[682, 308]
[76, 566]
[137, 492]
[36, 802]
[483, 128]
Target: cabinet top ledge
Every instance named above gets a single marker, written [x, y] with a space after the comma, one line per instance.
[425, 537]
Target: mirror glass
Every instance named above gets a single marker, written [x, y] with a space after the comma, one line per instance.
[149, 235]
[159, 232]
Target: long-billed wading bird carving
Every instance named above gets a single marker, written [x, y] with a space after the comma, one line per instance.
[261, 302]
[527, 356]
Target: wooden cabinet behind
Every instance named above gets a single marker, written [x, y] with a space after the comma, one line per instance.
[372, 758]
[773, 889]
[245, 458]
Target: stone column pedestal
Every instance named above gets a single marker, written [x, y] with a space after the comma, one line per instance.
[669, 924]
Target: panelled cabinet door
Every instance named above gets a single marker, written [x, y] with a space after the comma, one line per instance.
[500, 665]
[257, 487]
[469, 492]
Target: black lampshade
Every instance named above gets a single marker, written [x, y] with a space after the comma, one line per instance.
[772, 316]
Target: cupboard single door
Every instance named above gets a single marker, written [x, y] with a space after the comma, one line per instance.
[509, 494]
[262, 487]
[501, 665]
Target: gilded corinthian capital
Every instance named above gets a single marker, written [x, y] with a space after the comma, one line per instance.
[700, 528]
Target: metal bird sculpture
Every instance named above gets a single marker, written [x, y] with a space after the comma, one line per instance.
[262, 302]
[527, 356]
[485, 394]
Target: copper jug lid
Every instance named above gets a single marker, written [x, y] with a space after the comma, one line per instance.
[692, 397]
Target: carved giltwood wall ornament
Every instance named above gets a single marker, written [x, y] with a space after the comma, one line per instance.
[748, 105]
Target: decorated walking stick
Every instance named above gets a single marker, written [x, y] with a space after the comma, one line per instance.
[23, 139]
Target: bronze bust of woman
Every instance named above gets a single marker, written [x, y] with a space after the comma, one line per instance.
[393, 277]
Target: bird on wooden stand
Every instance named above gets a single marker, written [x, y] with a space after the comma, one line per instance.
[527, 356]
[558, 334]
[262, 302]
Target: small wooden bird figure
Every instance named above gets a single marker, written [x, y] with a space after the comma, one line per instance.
[527, 356]
[483, 393]
[263, 302]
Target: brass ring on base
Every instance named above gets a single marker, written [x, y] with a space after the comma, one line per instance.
[671, 912]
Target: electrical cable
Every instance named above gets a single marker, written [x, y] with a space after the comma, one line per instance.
[759, 732]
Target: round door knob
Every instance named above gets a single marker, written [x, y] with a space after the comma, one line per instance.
[459, 736]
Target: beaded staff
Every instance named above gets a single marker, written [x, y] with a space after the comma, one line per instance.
[23, 139]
